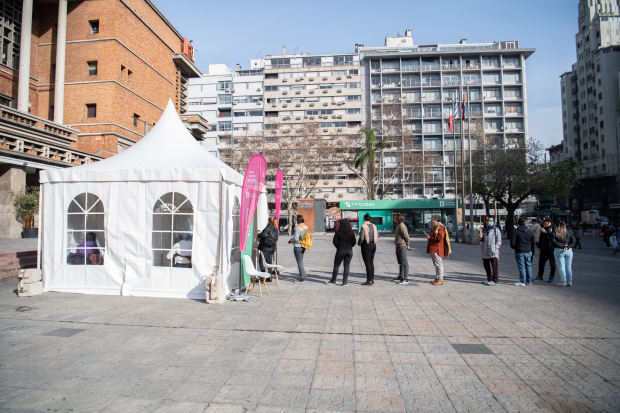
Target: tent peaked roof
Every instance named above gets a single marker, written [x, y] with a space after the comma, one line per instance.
[168, 152]
[168, 145]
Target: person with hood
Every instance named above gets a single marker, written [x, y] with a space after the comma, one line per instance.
[344, 241]
[546, 251]
[490, 241]
[401, 241]
[563, 241]
[435, 247]
[267, 240]
[368, 241]
[524, 244]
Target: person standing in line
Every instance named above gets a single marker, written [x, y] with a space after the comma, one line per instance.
[336, 226]
[563, 241]
[613, 241]
[491, 241]
[524, 244]
[450, 228]
[267, 240]
[401, 241]
[435, 247]
[546, 251]
[344, 241]
[368, 241]
[300, 232]
[577, 233]
[535, 227]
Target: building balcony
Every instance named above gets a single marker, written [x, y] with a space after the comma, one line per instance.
[431, 82]
[37, 141]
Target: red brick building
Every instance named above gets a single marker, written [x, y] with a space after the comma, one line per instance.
[81, 81]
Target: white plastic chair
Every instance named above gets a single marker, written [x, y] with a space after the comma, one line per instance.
[276, 267]
[255, 276]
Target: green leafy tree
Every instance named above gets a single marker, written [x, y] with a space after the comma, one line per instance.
[26, 205]
[561, 178]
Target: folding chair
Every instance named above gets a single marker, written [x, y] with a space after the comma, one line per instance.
[255, 276]
[276, 267]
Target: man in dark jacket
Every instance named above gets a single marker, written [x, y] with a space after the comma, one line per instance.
[546, 251]
[523, 242]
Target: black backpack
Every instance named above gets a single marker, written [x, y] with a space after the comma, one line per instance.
[272, 238]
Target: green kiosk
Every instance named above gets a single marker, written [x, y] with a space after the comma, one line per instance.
[417, 212]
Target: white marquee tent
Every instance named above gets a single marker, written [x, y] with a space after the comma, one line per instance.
[150, 221]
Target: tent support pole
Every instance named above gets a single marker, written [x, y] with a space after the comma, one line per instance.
[40, 229]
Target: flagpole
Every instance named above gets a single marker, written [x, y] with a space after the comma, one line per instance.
[461, 116]
[456, 181]
[471, 183]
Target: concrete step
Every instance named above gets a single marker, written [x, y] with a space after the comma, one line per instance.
[9, 277]
[13, 261]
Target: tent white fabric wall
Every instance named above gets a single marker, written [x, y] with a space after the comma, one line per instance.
[167, 159]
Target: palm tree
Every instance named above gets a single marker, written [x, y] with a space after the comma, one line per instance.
[367, 156]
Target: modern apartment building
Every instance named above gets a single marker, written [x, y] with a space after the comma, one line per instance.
[231, 101]
[590, 108]
[81, 81]
[424, 82]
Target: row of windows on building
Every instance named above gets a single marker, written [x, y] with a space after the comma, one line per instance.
[446, 63]
[446, 94]
[347, 85]
[296, 75]
[448, 80]
[311, 61]
[171, 238]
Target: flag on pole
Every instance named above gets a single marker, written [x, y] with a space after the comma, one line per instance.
[451, 119]
[464, 106]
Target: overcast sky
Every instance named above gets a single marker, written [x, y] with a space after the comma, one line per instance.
[234, 32]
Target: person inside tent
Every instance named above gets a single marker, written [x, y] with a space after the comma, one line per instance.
[181, 252]
[85, 250]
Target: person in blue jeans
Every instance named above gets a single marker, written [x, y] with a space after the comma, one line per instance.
[523, 242]
[563, 241]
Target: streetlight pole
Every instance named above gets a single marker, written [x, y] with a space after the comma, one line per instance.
[462, 116]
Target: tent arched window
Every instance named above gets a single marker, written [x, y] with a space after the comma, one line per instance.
[173, 224]
[86, 230]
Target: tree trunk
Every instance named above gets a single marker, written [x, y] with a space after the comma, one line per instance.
[290, 218]
[510, 219]
[487, 209]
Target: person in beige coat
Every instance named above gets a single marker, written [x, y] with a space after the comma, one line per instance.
[401, 241]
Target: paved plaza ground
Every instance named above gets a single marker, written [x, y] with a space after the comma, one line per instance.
[310, 347]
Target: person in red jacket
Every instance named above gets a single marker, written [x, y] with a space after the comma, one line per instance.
[435, 247]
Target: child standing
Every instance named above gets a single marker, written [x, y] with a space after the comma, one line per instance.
[613, 241]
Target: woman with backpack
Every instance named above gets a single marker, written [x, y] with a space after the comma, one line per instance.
[344, 241]
[267, 241]
[300, 234]
[490, 241]
[368, 241]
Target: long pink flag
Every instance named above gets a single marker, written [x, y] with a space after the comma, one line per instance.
[253, 183]
[279, 180]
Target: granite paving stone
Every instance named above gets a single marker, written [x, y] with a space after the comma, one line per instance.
[309, 347]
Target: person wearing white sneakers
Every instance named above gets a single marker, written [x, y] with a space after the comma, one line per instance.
[436, 247]
[490, 241]
[524, 244]
[563, 241]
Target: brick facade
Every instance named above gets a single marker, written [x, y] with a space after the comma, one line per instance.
[136, 72]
